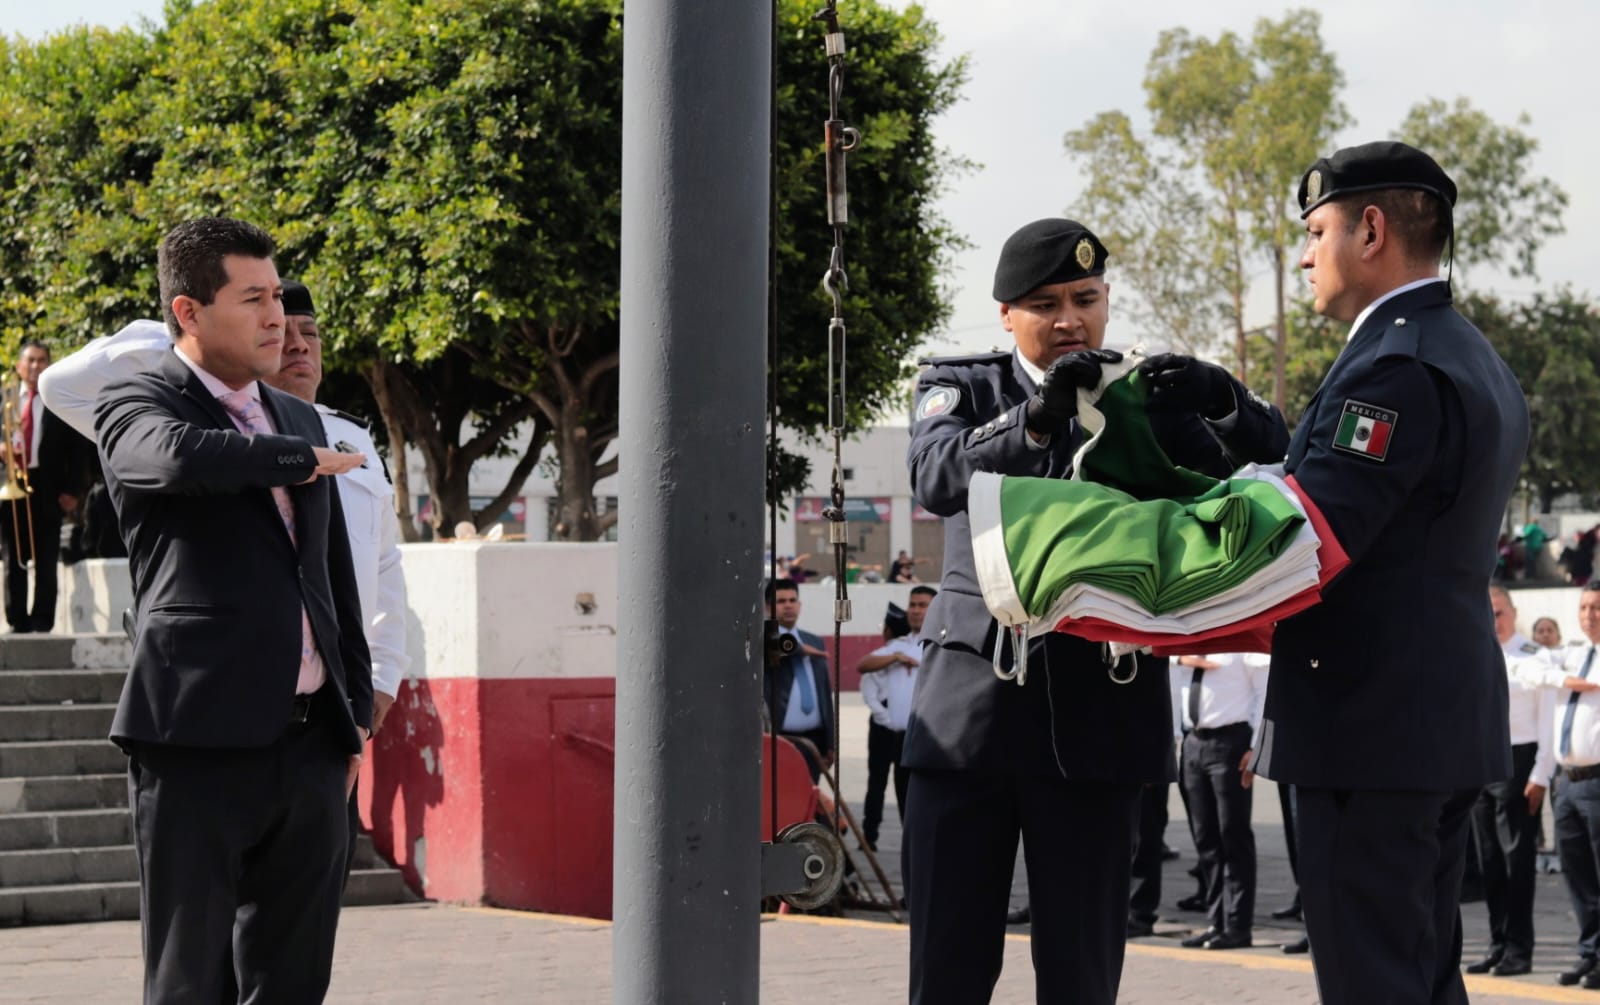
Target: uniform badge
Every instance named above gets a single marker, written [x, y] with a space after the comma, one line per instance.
[1365, 430]
[1313, 187]
[346, 447]
[1085, 254]
[938, 401]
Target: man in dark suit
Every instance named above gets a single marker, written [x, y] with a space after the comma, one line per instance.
[56, 462]
[250, 694]
[1387, 704]
[798, 694]
[1062, 760]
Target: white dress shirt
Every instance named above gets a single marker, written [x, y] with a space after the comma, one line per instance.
[887, 692]
[71, 386]
[1234, 692]
[1549, 670]
[1531, 707]
[795, 718]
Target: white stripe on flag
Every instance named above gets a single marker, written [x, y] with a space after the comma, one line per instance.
[989, 549]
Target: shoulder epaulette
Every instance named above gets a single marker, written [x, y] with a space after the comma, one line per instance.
[1403, 337]
[1530, 647]
[993, 356]
[346, 416]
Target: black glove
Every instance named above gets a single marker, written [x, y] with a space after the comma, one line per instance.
[1183, 383]
[1056, 401]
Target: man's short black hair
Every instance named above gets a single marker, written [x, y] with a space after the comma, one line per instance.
[1592, 586]
[780, 584]
[33, 343]
[924, 591]
[1420, 220]
[189, 263]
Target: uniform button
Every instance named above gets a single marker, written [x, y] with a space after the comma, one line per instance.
[1399, 322]
[1315, 664]
[942, 633]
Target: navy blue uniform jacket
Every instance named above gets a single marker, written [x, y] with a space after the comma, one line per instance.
[1070, 719]
[1395, 680]
[218, 585]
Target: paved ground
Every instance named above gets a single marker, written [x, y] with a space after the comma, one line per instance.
[415, 954]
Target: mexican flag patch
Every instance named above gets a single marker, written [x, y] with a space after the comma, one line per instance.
[1365, 429]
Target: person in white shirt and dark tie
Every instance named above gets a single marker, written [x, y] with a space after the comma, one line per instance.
[1221, 698]
[1573, 729]
[1505, 819]
[888, 676]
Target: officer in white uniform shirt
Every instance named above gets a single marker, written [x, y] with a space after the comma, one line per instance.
[1505, 818]
[1573, 731]
[888, 676]
[1220, 698]
[70, 387]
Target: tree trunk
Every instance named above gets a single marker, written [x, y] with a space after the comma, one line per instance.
[1280, 349]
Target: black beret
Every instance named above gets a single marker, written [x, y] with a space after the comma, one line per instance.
[297, 299]
[1044, 252]
[1373, 166]
[894, 619]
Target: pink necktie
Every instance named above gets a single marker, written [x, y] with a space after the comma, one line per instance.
[250, 418]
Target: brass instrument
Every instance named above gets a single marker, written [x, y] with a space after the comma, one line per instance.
[16, 486]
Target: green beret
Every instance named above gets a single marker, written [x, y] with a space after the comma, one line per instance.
[1370, 167]
[297, 299]
[1045, 252]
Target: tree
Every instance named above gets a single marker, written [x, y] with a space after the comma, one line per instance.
[1503, 213]
[1239, 123]
[1552, 344]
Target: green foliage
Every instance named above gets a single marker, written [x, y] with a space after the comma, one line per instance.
[1552, 344]
[1313, 343]
[446, 176]
[1503, 212]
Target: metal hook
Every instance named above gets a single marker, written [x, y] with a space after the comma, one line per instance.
[1017, 636]
[1111, 671]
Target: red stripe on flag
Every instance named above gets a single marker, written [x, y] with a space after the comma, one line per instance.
[1380, 438]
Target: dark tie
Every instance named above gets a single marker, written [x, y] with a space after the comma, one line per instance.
[1572, 708]
[802, 674]
[1194, 697]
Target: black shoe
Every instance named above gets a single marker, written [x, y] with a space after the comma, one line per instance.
[1139, 929]
[1486, 964]
[1194, 902]
[1290, 913]
[1591, 980]
[1168, 853]
[1229, 940]
[1513, 967]
[1199, 940]
[1021, 916]
[1577, 972]
[1302, 945]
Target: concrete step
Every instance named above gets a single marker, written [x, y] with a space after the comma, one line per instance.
[69, 902]
[61, 757]
[61, 687]
[54, 652]
[65, 829]
[55, 722]
[377, 886]
[53, 866]
[63, 792]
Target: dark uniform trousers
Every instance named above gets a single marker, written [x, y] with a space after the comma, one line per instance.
[1144, 899]
[1360, 847]
[1507, 839]
[960, 853]
[43, 546]
[883, 759]
[1577, 829]
[1219, 817]
[234, 830]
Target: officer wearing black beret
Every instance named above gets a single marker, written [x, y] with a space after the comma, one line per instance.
[1061, 760]
[1386, 706]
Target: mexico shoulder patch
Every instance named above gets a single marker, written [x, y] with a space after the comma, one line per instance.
[1365, 430]
[938, 401]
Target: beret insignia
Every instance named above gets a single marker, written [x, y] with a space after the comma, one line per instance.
[1085, 254]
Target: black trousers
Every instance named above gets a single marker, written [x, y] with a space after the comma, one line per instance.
[957, 859]
[1144, 898]
[1507, 837]
[1219, 817]
[240, 850]
[883, 759]
[1578, 843]
[1380, 881]
[44, 546]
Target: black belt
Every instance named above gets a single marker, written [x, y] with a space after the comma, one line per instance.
[1229, 729]
[1581, 772]
[300, 714]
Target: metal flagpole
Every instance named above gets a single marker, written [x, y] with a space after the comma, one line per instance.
[687, 870]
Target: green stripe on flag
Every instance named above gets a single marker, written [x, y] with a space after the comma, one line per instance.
[1347, 430]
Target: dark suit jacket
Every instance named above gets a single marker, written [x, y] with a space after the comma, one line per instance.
[1395, 680]
[218, 584]
[778, 683]
[65, 460]
[1070, 720]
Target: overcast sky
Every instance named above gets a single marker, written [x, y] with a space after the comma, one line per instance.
[1038, 69]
